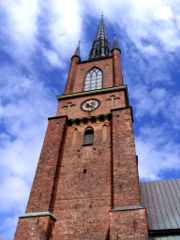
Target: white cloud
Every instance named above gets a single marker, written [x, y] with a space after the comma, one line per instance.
[164, 13]
[26, 23]
[64, 25]
[20, 27]
[148, 101]
[157, 152]
[18, 193]
[158, 100]
[53, 58]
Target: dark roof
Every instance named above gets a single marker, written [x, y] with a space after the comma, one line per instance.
[162, 202]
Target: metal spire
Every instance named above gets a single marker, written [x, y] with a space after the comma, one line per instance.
[101, 33]
[77, 52]
[100, 47]
[115, 44]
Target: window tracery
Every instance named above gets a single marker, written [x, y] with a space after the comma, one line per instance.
[93, 80]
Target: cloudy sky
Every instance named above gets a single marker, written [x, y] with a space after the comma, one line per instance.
[37, 40]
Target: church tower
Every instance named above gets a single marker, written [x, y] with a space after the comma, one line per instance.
[86, 186]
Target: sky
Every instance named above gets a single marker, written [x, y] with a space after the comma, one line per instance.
[37, 40]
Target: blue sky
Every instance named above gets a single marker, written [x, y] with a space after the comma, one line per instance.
[37, 40]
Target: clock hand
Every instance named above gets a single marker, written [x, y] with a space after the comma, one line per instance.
[92, 105]
[88, 105]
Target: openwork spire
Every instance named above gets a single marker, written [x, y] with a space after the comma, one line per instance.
[100, 47]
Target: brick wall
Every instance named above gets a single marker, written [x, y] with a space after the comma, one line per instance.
[42, 189]
[83, 198]
[128, 224]
[125, 172]
[34, 228]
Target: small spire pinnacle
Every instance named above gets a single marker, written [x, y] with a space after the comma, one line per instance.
[77, 52]
[100, 47]
[115, 44]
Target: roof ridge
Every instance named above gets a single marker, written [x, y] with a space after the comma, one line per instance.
[160, 180]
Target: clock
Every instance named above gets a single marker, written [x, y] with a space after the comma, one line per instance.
[90, 105]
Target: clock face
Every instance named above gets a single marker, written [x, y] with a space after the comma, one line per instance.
[90, 105]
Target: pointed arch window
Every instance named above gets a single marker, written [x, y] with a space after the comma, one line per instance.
[88, 136]
[93, 80]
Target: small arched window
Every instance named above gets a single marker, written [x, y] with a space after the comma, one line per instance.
[93, 80]
[88, 136]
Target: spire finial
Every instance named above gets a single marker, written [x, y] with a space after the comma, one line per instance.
[77, 52]
[115, 44]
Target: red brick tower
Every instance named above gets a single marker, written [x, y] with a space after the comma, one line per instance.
[86, 184]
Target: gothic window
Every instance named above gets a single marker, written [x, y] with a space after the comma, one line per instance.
[93, 80]
[88, 136]
[104, 134]
[74, 137]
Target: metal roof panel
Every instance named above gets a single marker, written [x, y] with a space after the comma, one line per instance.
[162, 202]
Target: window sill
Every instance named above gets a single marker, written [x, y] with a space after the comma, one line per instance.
[87, 144]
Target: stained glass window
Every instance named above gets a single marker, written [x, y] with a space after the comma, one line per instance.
[93, 80]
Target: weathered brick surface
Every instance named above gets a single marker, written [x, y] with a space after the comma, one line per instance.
[125, 172]
[83, 200]
[42, 189]
[72, 75]
[118, 79]
[131, 224]
[34, 228]
[82, 219]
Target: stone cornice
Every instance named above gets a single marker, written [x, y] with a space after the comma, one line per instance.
[126, 208]
[57, 117]
[97, 91]
[38, 214]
